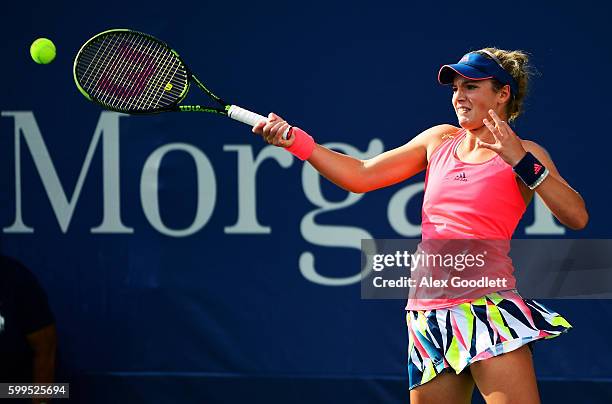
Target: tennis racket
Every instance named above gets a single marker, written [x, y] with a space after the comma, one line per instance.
[132, 72]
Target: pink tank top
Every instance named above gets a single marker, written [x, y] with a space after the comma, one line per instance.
[469, 201]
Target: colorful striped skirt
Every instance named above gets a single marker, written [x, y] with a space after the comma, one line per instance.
[453, 338]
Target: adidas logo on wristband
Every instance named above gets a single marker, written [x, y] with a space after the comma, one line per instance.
[536, 168]
[531, 171]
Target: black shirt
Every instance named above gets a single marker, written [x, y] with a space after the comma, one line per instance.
[23, 309]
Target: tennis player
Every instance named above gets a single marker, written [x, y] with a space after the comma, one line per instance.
[480, 178]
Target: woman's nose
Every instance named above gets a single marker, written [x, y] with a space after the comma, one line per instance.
[459, 95]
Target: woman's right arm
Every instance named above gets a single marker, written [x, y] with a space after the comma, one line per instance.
[357, 175]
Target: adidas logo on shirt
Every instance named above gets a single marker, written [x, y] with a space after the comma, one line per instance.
[460, 177]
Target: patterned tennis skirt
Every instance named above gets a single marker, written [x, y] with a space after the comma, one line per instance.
[453, 338]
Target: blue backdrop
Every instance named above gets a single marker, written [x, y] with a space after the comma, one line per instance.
[188, 262]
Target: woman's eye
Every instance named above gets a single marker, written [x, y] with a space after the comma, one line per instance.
[471, 87]
[454, 89]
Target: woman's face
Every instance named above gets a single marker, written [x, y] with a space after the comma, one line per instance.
[472, 100]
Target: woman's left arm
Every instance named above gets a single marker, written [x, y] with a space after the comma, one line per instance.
[563, 201]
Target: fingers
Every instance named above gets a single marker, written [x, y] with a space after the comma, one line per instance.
[272, 130]
[276, 135]
[494, 130]
[484, 145]
[496, 118]
[507, 144]
[502, 126]
[258, 128]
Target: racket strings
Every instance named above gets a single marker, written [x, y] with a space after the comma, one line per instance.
[131, 72]
[103, 82]
[112, 88]
[106, 83]
[97, 63]
[158, 87]
[162, 92]
[145, 100]
[167, 87]
[142, 55]
[168, 78]
[91, 59]
[134, 80]
[153, 49]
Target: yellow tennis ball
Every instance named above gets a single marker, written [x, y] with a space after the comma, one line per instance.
[43, 51]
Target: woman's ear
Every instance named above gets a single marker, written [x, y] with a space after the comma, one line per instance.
[504, 94]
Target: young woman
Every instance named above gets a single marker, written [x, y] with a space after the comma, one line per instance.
[454, 345]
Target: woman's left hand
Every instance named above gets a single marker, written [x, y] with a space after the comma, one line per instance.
[507, 144]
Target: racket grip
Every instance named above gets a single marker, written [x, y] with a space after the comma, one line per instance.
[248, 117]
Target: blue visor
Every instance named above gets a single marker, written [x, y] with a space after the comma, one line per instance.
[476, 66]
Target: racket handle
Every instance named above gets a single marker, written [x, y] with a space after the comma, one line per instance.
[248, 117]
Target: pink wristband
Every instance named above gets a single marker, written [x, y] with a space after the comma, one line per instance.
[303, 145]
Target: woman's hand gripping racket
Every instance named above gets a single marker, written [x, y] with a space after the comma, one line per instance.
[132, 72]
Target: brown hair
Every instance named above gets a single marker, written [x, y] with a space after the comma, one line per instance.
[516, 63]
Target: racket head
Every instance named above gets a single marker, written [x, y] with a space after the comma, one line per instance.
[129, 71]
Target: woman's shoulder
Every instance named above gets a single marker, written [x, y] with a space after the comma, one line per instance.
[439, 134]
